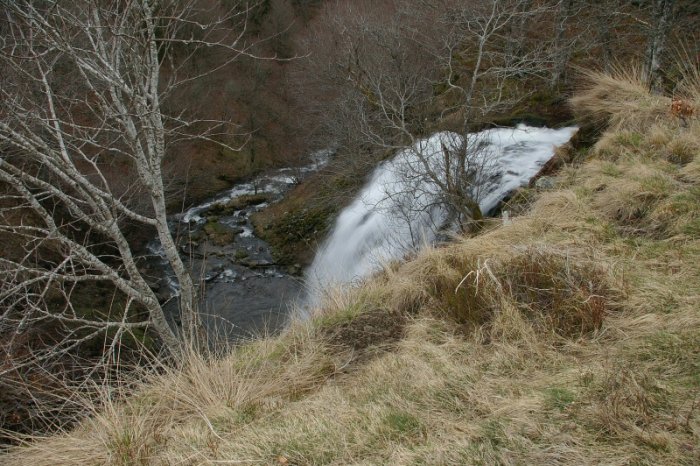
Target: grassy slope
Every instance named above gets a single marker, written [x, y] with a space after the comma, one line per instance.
[570, 335]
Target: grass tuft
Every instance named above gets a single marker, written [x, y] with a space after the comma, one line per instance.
[619, 99]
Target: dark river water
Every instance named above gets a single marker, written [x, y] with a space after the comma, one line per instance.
[244, 293]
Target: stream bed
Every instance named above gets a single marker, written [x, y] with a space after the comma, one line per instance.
[244, 292]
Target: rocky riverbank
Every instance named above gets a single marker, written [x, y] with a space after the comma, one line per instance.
[245, 290]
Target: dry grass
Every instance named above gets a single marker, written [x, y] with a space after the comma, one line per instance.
[620, 99]
[569, 336]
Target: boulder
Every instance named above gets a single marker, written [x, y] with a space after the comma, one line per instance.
[545, 182]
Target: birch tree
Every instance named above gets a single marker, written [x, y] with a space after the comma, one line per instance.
[84, 92]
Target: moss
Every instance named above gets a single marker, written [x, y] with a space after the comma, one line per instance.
[297, 232]
[218, 233]
[301, 220]
[240, 254]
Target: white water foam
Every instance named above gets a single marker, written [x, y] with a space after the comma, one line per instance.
[274, 183]
[400, 209]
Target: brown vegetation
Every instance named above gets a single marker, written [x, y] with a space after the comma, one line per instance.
[565, 336]
[636, 207]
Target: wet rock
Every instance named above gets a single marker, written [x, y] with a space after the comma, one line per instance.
[211, 276]
[244, 201]
[545, 182]
[256, 263]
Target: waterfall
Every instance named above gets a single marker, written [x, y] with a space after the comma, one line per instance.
[400, 208]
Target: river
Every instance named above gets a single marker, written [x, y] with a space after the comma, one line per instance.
[246, 293]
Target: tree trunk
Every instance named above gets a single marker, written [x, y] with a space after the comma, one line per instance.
[561, 50]
[662, 17]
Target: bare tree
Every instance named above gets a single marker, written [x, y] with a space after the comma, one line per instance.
[428, 65]
[83, 94]
[561, 49]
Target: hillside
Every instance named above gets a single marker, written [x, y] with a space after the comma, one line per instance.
[568, 335]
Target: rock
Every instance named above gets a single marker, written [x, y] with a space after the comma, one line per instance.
[256, 263]
[545, 182]
[210, 276]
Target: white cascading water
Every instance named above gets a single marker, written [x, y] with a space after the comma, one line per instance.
[399, 210]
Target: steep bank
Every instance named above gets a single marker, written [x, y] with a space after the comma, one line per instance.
[402, 206]
[567, 336]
